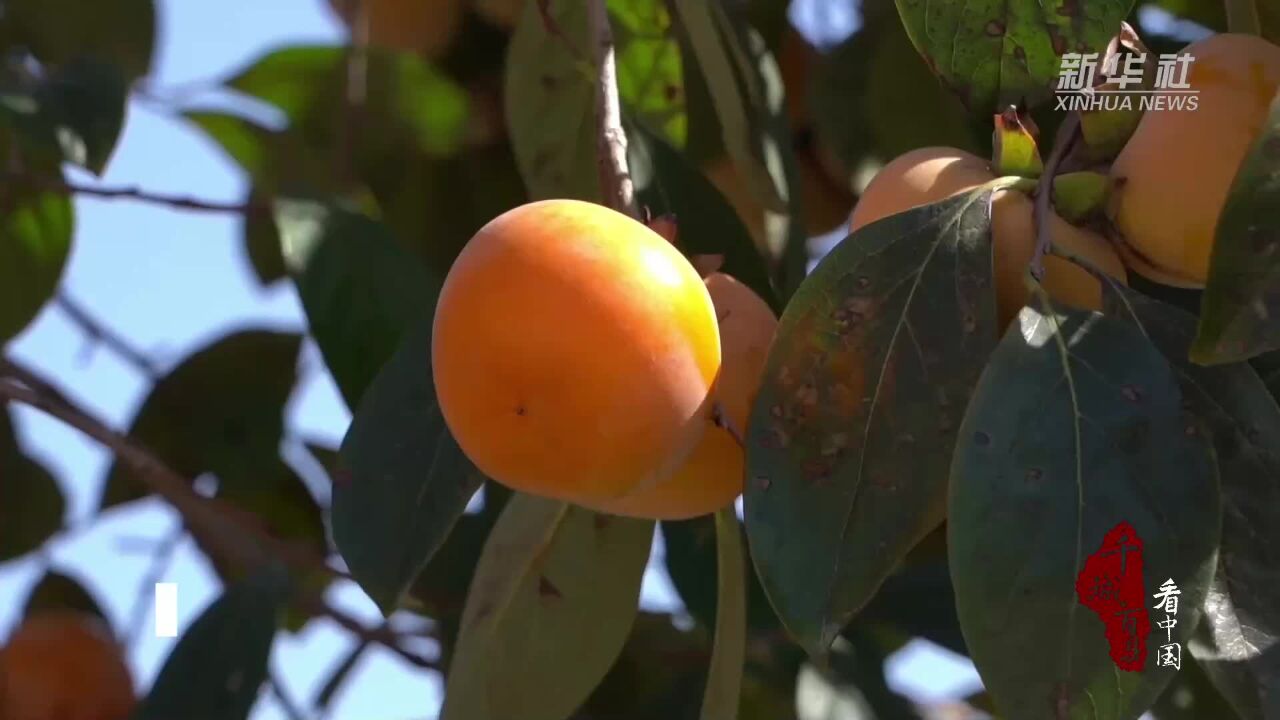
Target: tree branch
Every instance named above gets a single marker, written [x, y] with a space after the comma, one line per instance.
[100, 333]
[1043, 207]
[382, 635]
[615, 176]
[178, 202]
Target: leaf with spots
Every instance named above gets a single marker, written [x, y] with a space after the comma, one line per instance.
[1242, 294]
[31, 503]
[996, 53]
[553, 599]
[1076, 426]
[850, 437]
[402, 481]
[1242, 620]
[219, 664]
[220, 411]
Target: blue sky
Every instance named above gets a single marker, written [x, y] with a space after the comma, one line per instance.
[171, 281]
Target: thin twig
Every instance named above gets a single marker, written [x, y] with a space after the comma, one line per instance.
[178, 202]
[383, 635]
[611, 139]
[1062, 142]
[161, 559]
[100, 333]
[278, 688]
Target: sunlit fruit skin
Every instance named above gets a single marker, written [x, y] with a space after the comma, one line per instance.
[932, 174]
[1175, 172]
[424, 27]
[574, 352]
[712, 476]
[64, 665]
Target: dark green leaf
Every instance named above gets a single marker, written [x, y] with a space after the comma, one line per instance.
[220, 411]
[737, 92]
[1242, 294]
[83, 104]
[1243, 608]
[691, 563]
[35, 240]
[996, 54]
[403, 481]
[860, 111]
[1191, 696]
[58, 591]
[215, 670]
[262, 245]
[667, 184]
[1076, 426]
[550, 102]
[359, 288]
[919, 600]
[121, 33]
[724, 678]
[553, 599]
[32, 508]
[850, 437]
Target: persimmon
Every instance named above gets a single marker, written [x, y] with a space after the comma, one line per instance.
[64, 665]
[425, 27]
[574, 352]
[1174, 173]
[929, 175]
[712, 476]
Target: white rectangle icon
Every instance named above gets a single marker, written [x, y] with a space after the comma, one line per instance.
[166, 610]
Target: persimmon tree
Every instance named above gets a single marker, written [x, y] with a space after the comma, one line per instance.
[1047, 339]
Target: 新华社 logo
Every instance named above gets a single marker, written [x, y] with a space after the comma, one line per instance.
[1079, 91]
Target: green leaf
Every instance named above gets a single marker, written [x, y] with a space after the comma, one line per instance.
[359, 288]
[650, 67]
[1242, 294]
[996, 54]
[550, 102]
[724, 678]
[402, 481]
[35, 241]
[553, 599]
[33, 507]
[57, 32]
[59, 591]
[215, 670]
[860, 112]
[735, 90]
[1076, 426]
[1243, 607]
[1191, 696]
[850, 437]
[406, 104]
[919, 600]
[83, 104]
[220, 411]
[667, 184]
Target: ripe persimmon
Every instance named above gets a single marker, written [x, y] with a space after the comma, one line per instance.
[932, 174]
[574, 352]
[1174, 173]
[712, 477]
[64, 665]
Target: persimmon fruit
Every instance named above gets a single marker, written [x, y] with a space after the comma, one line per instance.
[932, 174]
[64, 665]
[712, 477]
[574, 352]
[1174, 173]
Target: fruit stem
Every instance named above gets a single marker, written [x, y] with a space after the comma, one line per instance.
[1242, 17]
[1066, 137]
[722, 420]
[611, 139]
